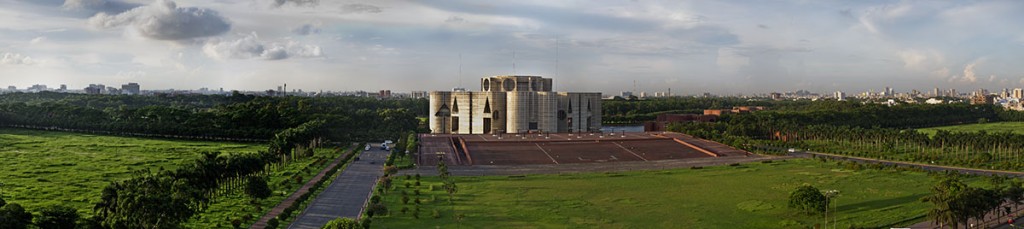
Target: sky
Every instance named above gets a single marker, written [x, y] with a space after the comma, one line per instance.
[690, 47]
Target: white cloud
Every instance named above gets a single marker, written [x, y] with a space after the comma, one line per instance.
[969, 75]
[250, 46]
[15, 59]
[164, 20]
[37, 40]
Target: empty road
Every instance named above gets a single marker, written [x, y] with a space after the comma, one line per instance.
[347, 194]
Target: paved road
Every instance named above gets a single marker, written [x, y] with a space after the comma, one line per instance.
[347, 194]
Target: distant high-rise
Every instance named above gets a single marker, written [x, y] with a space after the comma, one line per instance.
[1018, 93]
[130, 88]
[936, 92]
[95, 89]
[840, 96]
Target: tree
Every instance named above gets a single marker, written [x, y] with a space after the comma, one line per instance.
[945, 209]
[807, 199]
[342, 223]
[13, 216]
[57, 217]
[256, 188]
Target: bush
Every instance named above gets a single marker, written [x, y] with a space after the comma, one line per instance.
[257, 188]
[236, 223]
[807, 199]
[404, 210]
[57, 216]
[272, 223]
[342, 223]
[436, 214]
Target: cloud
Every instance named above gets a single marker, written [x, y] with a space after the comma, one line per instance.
[969, 75]
[83, 4]
[37, 40]
[455, 19]
[359, 8]
[163, 20]
[15, 59]
[250, 46]
[307, 3]
[306, 29]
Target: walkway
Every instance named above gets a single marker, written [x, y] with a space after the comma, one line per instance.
[348, 193]
[506, 170]
[277, 210]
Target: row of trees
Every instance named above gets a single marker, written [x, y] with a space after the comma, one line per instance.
[211, 116]
[869, 131]
[954, 203]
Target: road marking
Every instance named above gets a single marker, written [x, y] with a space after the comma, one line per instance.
[482, 137]
[630, 151]
[546, 153]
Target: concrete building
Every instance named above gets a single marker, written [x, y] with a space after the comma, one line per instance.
[1018, 93]
[514, 104]
[130, 88]
[95, 89]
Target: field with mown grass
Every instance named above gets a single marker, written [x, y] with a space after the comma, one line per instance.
[743, 196]
[992, 127]
[39, 168]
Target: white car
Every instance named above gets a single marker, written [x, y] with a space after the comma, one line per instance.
[791, 150]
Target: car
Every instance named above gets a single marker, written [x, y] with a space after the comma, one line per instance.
[791, 150]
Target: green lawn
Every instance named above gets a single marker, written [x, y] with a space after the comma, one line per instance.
[745, 196]
[41, 168]
[995, 127]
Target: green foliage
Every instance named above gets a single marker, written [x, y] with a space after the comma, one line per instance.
[256, 188]
[807, 199]
[57, 217]
[272, 223]
[13, 216]
[342, 223]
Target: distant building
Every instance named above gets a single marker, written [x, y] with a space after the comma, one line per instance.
[95, 89]
[775, 96]
[1018, 93]
[840, 95]
[384, 94]
[63, 87]
[936, 92]
[37, 88]
[514, 104]
[419, 94]
[982, 99]
[130, 88]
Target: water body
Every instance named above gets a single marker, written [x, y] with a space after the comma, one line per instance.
[626, 128]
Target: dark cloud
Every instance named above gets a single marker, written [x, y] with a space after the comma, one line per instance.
[455, 19]
[306, 3]
[359, 8]
[306, 29]
[163, 20]
[251, 47]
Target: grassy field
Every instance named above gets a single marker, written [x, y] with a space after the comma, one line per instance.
[744, 196]
[40, 168]
[994, 127]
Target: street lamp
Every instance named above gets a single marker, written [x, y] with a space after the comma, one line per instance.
[830, 194]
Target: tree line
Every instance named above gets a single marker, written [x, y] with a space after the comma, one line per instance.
[236, 116]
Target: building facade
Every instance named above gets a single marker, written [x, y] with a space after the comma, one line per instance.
[514, 104]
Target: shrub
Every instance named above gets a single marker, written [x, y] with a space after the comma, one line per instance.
[272, 223]
[404, 210]
[436, 214]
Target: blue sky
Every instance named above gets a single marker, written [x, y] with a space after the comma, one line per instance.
[723, 47]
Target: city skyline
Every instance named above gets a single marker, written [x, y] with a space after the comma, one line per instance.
[721, 47]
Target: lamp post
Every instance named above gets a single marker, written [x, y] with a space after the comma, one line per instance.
[830, 194]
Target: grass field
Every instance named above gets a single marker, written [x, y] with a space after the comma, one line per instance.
[744, 196]
[994, 127]
[40, 168]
